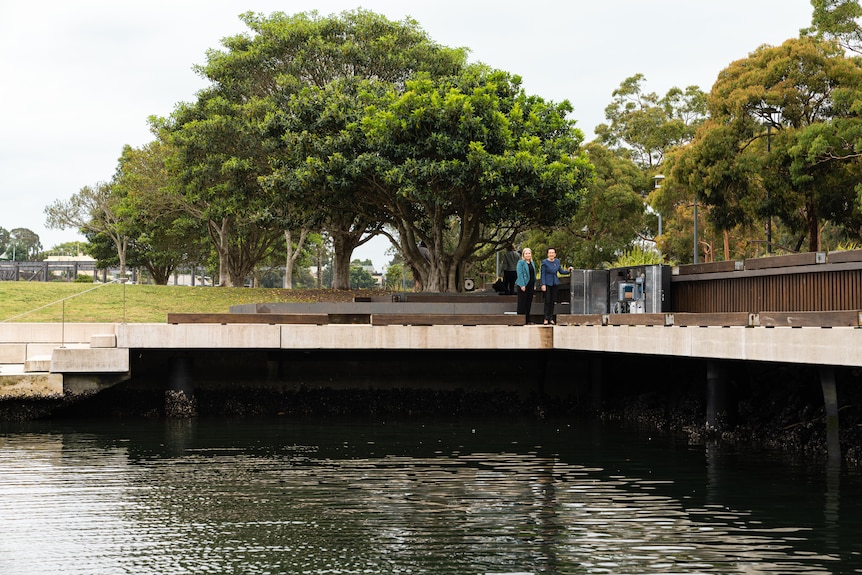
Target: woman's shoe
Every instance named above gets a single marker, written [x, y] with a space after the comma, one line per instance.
[545, 323]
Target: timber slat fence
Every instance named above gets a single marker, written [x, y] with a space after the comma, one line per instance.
[815, 281]
[848, 318]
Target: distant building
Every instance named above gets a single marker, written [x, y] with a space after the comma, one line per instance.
[77, 258]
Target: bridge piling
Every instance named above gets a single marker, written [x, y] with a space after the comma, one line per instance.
[596, 385]
[180, 396]
[830, 401]
[716, 395]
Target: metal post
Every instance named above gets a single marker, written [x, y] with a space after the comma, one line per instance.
[768, 206]
[830, 402]
[696, 260]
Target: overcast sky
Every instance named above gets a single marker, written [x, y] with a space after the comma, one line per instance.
[78, 78]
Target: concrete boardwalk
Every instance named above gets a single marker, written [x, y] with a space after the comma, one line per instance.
[37, 359]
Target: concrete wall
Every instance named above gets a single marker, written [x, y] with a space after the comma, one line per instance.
[807, 345]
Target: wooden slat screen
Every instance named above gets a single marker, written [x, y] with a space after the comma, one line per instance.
[821, 291]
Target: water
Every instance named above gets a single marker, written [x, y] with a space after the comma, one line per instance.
[363, 497]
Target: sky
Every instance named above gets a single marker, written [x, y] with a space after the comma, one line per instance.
[79, 79]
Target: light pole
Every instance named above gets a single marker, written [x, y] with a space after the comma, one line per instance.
[696, 259]
[773, 117]
[768, 206]
[657, 181]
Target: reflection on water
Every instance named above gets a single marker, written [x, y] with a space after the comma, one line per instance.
[359, 497]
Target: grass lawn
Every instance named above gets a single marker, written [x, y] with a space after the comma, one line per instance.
[79, 302]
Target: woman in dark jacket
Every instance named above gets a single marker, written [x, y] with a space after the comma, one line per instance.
[525, 283]
[549, 279]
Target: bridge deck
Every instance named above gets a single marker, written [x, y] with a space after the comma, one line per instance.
[782, 337]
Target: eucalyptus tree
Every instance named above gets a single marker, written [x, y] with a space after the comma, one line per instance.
[645, 128]
[803, 98]
[838, 20]
[94, 210]
[460, 164]
[645, 125]
[24, 244]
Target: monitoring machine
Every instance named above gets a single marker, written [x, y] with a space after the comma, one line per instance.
[639, 289]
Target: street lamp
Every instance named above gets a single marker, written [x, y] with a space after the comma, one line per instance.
[773, 117]
[696, 259]
[657, 182]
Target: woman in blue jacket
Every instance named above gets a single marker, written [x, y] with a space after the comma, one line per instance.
[525, 283]
[550, 281]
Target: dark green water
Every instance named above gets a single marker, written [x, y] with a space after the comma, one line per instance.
[363, 497]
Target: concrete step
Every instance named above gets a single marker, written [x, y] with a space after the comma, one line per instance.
[38, 363]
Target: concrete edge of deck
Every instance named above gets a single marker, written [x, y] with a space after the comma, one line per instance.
[104, 349]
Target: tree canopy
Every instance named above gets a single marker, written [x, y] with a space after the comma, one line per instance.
[463, 164]
[803, 98]
[645, 125]
[243, 127]
[837, 20]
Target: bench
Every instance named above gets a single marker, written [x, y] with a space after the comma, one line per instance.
[258, 318]
[446, 319]
[848, 318]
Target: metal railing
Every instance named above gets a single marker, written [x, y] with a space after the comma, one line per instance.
[62, 302]
[45, 271]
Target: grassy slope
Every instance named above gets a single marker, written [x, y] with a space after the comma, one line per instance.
[73, 302]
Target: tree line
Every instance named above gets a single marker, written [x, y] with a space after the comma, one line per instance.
[350, 126]
[19, 244]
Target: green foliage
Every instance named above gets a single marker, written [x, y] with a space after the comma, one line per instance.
[398, 277]
[360, 278]
[94, 210]
[645, 125]
[299, 78]
[612, 215]
[464, 163]
[637, 256]
[349, 124]
[803, 98]
[837, 20]
[69, 249]
[23, 245]
[161, 235]
[4, 243]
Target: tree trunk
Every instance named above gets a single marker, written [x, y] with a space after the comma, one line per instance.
[219, 236]
[344, 241]
[342, 251]
[292, 255]
[121, 244]
[235, 280]
[813, 229]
